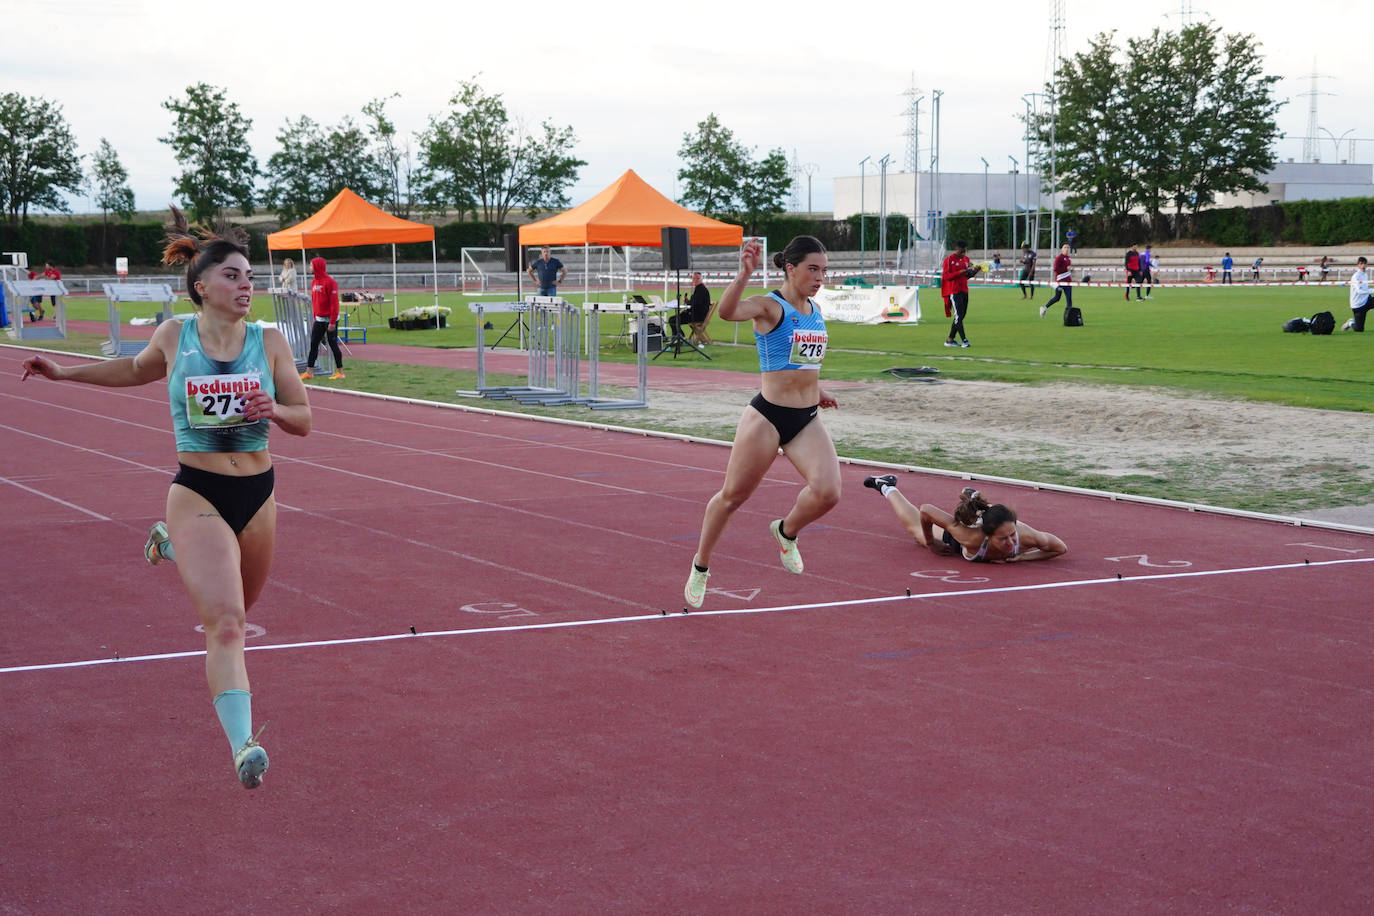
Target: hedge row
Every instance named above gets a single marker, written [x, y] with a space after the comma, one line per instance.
[1300, 222]
[1304, 222]
[71, 245]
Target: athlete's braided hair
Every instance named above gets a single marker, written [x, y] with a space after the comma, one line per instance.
[976, 512]
[200, 248]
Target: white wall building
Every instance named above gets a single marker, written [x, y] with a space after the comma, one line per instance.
[1306, 181]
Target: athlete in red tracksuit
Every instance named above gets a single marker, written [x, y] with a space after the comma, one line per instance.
[1133, 274]
[954, 287]
[1063, 278]
[324, 301]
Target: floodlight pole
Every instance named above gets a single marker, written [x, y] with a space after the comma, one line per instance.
[882, 214]
[863, 184]
[1036, 238]
[985, 206]
[935, 166]
[1013, 199]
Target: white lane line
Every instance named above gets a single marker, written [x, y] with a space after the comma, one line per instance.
[569, 624]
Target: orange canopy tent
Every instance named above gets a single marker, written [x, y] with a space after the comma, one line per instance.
[628, 212]
[350, 220]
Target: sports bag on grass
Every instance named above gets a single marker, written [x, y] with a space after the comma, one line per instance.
[1322, 323]
[1073, 317]
[1295, 326]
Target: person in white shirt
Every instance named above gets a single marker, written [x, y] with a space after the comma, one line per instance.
[1359, 297]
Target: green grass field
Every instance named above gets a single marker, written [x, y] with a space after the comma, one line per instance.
[1225, 342]
[1219, 342]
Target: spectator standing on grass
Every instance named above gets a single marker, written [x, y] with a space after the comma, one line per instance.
[35, 302]
[996, 264]
[1359, 297]
[221, 511]
[1255, 270]
[1063, 279]
[287, 280]
[324, 302]
[1133, 275]
[954, 276]
[547, 272]
[1326, 263]
[1147, 271]
[1027, 270]
[1072, 238]
[1226, 264]
[55, 275]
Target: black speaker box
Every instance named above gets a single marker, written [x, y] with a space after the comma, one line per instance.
[513, 253]
[654, 343]
[677, 253]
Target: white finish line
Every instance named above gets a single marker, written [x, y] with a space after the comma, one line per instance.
[567, 624]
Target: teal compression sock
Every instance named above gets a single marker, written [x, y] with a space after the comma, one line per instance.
[235, 711]
[165, 548]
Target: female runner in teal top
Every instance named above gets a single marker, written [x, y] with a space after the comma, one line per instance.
[791, 341]
[229, 381]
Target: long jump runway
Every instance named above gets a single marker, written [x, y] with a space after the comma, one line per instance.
[483, 695]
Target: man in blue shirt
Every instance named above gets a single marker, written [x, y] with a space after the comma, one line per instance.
[1226, 265]
[547, 273]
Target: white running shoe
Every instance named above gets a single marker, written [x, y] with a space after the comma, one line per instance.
[152, 549]
[251, 762]
[791, 556]
[1043, 310]
[695, 590]
[1349, 324]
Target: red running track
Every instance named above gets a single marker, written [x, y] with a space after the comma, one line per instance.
[1194, 736]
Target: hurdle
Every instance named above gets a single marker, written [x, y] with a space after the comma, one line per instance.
[294, 316]
[134, 292]
[555, 334]
[595, 401]
[555, 338]
[20, 291]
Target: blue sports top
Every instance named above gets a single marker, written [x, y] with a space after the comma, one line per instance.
[797, 341]
[207, 415]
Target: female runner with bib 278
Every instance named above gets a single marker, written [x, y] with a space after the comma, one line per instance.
[789, 333]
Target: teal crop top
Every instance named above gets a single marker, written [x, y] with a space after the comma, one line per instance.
[207, 415]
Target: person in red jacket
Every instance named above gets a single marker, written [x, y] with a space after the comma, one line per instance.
[1133, 272]
[52, 273]
[324, 301]
[35, 302]
[954, 288]
[1063, 278]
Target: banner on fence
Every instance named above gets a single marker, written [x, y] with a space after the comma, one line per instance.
[872, 305]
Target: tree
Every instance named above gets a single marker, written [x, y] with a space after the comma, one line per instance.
[38, 158]
[392, 159]
[475, 157]
[721, 179]
[210, 141]
[314, 164]
[1094, 160]
[1175, 120]
[109, 182]
[765, 191]
[715, 163]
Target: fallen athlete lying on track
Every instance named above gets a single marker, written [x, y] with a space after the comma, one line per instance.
[977, 531]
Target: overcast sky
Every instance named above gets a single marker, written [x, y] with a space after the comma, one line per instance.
[823, 82]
